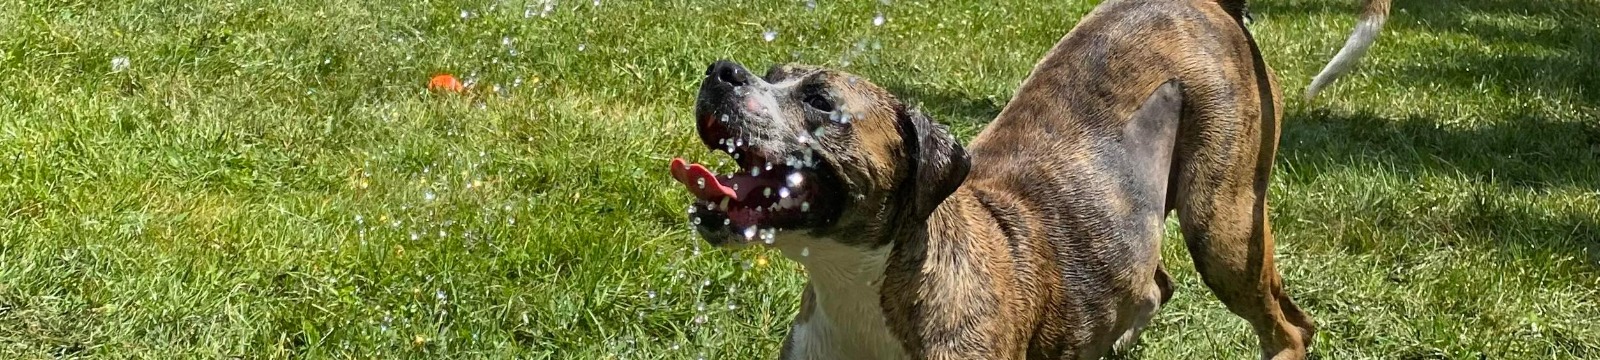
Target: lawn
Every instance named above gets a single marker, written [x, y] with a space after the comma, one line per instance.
[270, 179]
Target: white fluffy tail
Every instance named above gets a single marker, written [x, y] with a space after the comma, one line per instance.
[1373, 13]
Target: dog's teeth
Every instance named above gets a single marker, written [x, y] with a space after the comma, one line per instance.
[769, 166]
[805, 206]
[795, 178]
[692, 209]
[724, 117]
[750, 232]
[735, 187]
[755, 171]
[767, 192]
[783, 193]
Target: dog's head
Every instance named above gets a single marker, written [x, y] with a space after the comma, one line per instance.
[821, 153]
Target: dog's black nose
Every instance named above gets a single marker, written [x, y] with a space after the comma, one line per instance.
[728, 72]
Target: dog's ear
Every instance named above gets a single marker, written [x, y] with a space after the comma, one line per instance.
[937, 162]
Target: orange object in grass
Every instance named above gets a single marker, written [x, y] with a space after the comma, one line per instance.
[445, 82]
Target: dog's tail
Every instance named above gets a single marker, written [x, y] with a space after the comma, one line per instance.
[1373, 13]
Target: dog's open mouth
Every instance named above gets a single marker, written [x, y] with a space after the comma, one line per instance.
[763, 196]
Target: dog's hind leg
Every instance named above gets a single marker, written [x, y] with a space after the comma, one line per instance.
[1224, 166]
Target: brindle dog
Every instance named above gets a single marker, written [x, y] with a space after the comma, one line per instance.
[1041, 239]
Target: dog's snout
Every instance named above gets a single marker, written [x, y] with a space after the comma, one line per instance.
[728, 72]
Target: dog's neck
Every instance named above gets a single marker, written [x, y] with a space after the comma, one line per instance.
[843, 315]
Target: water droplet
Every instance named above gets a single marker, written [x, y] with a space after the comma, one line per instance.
[650, 294]
[769, 35]
[724, 118]
[700, 319]
[505, 40]
[439, 295]
[750, 232]
[725, 222]
[805, 206]
[811, 5]
[878, 20]
[582, 46]
[596, 2]
[805, 251]
[120, 63]
[755, 171]
[695, 221]
[732, 306]
[465, 14]
[701, 182]
[359, 219]
[428, 196]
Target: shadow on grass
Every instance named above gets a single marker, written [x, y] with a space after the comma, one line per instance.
[1557, 42]
[1524, 151]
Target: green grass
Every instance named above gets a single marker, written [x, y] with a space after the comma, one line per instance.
[257, 182]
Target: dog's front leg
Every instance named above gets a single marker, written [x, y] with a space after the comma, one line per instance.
[951, 303]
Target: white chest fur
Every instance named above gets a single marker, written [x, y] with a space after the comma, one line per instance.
[845, 319]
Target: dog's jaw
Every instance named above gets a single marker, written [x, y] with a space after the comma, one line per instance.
[843, 316]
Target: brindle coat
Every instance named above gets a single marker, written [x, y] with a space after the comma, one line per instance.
[1041, 239]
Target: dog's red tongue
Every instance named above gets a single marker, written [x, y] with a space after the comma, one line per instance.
[700, 181]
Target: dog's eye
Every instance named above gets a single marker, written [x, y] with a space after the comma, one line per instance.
[818, 102]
